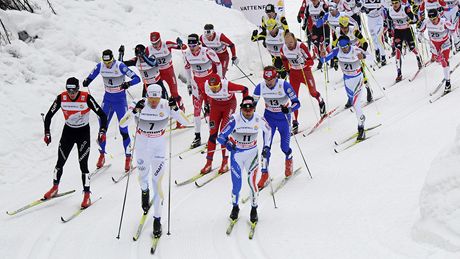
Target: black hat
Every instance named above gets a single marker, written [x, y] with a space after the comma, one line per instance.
[107, 55]
[269, 8]
[248, 102]
[72, 84]
[193, 39]
[432, 13]
[139, 49]
[209, 27]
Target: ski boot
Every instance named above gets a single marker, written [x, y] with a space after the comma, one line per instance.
[383, 61]
[234, 213]
[263, 181]
[320, 65]
[207, 167]
[377, 56]
[295, 127]
[52, 192]
[253, 216]
[361, 133]
[369, 94]
[157, 227]
[447, 87]
[419, 62]
[145, 197]
[86, 200]
[335, 63]
[197, 141]
[322, 108]
[100, 161]
[399, 77]
[348, 104]
[127, 163]
[288, 168]
[224, 166]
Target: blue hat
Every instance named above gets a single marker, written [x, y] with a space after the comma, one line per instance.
[344, 41]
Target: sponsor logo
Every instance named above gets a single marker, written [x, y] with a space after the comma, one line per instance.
[162, 114]
[140, 161]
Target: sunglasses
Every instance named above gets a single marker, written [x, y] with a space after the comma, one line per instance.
[107, 62]
[208, 32]
[433, 18]
[214, 87]
[192, 45]
[72, 91]
[155, 42]
[247, 109]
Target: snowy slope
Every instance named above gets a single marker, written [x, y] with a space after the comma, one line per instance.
[362, 203]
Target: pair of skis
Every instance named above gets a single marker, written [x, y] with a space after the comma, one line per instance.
[140, 227]
[198, 176]
[252, 227]
[347, 143]
[121, 177]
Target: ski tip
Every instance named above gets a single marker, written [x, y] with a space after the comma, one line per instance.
[335, 150]
[335, 142]
[8, 213]
[114, 180]
[63, 220]
[152, 251]
[134, 239]
[175, 181]
[197, 185]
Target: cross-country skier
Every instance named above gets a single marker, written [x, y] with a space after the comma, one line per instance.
[375, 19]
[113, 74]
[76, 106]
[218, 42]
[297, 59]
[200, 63]
[280, 101]
[240, 138]
[222, 100]
[152, 116]
[401, 17]
[349, 57]
[270, 13]
[439, 30]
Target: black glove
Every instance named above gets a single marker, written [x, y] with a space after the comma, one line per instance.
[179, 42]
[189, 88]
[299, 19]
[125, 85]
[206, 109]
[101, 136]
[263, 44]
[364, 10]
[458, 13]
[235, 61]
[304, 26]
[266, 152]
[172, 103]
[139, 106]
[254, 35]
[121, 49]
[286, 109]
[86, 82]
[47, 137]
[359, 4]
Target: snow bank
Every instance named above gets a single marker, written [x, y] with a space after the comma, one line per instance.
[440, 201]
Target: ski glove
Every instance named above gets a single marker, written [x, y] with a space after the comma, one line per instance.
[206, 109]
[179, 42]
[47, 137]
[125, 85]
[101, 136]
[139, 106]
[121, 49]
[266, 152]
[299, 19]
[172, 104]
[189, 88]
[86, 82]
[286, 109]
[230, 146]
[254, 35]
[235, 61]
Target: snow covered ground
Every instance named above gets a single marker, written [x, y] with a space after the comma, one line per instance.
[393, 196]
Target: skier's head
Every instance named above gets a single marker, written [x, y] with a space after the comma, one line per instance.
[290, 40]
[433, 15]
[214, 82]
[344, 21]
[396, 4]
[333, 8]
[155, 39]
[270, 76]
[344, 43]
[193, 42]
[139, 50]
[270, 11]
[209, 31]
[72, 86]
[154, 95]
[107, 58]
[248, 106]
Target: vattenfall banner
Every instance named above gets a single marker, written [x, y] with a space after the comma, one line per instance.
[253, 10]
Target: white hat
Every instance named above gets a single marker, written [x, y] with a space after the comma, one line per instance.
[154, 90]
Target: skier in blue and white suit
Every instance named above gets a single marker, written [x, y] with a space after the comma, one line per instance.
[113, 74]
[240, 138]
[280, 101]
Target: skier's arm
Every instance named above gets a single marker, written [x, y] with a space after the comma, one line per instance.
[224, 39]
[215, 59]
[150, 60]
[53, 109]
[284, 60]
[128, 72]
[362, 41]
[331, 55]
[92, 104]
[228, 129]
[256, 94]
[295, 104]
[413, 18]
[179, 116]
[131, 62]
[267, 131]
[322, 20]
[306, 54]
[93, 75]
[232, 87]
[284, 24]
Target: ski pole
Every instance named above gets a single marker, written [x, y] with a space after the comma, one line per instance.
[127, 181]
[241, 77]
[264, 160]
[245, 75]
[260, 55]
[169, 180]
[300, 150]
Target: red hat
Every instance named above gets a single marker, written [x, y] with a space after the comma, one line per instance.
[270, 73]
[214, 79]
[154, 37]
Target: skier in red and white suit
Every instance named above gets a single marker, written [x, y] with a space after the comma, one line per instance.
[298, 61]
[161, 50]
[439, 30]
[218, 42]
[221, 94]
[201, 62]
